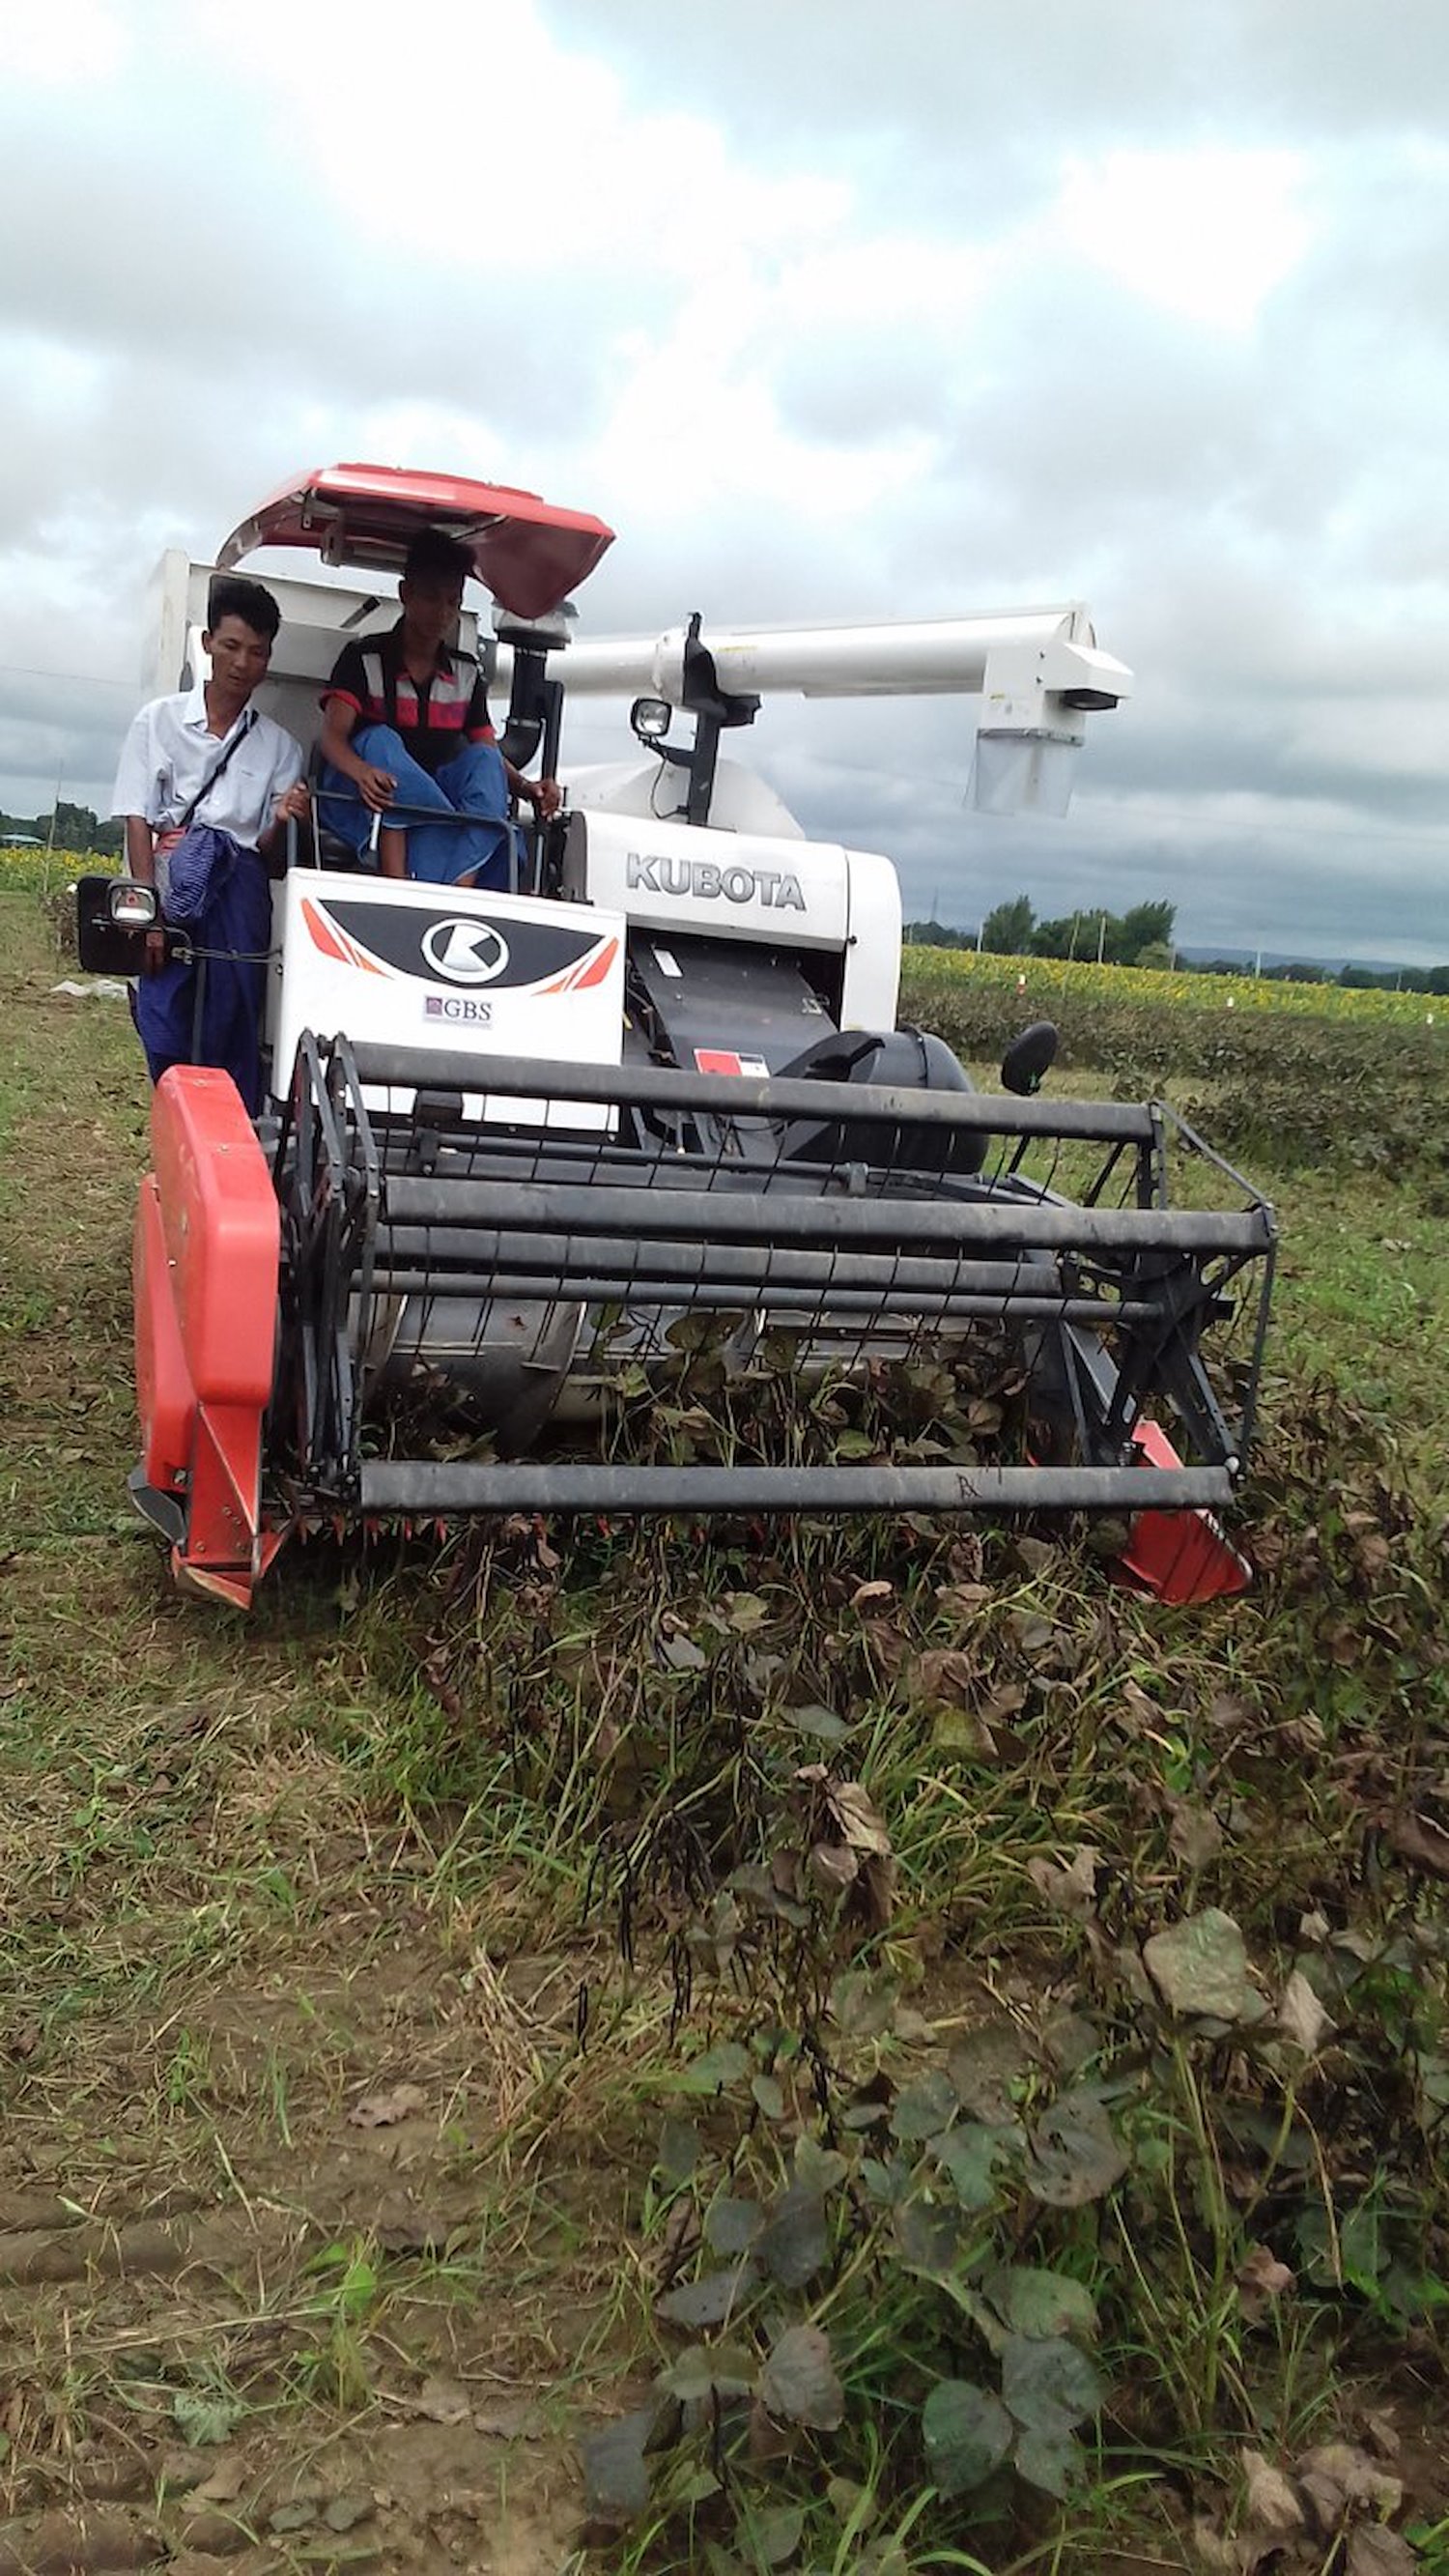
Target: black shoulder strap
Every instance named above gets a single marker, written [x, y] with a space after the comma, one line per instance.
[204, 790]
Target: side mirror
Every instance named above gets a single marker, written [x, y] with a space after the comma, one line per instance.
[132, 906]
[1029, 1058]
[649, 719]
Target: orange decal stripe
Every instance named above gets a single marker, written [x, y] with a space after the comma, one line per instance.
[595, 968]
[323, 934]
[334, 941]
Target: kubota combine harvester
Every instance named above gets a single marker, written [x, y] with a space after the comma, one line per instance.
[622, 1192]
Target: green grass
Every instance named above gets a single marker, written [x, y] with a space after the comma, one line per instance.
[451, 1821]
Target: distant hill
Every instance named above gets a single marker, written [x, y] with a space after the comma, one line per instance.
[1249, 958]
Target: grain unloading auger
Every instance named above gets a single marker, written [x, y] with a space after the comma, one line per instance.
[622, 1192]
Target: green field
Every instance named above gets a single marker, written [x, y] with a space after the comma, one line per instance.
[1055, 983]
[509, 2004]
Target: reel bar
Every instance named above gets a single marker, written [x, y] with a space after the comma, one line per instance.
[865, 1307]
[496, 1255]
[746, 1096]
[725, 1215]
[429, 1486]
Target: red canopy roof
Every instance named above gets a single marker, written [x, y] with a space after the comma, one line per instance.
[528, 554]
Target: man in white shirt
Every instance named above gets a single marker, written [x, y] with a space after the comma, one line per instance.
[207, 758]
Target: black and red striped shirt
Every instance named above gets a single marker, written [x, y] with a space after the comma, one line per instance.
[435, 716]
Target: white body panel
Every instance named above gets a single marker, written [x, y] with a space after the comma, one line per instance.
[441, 969]
[724, 885]
[871, 990]
[681, 879]
[741, 802]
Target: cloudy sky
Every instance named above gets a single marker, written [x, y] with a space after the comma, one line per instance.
[831, 310]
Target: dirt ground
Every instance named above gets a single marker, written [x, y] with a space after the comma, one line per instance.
[272, 2261]
[280, 2283]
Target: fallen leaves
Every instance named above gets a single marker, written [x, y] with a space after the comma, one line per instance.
[1193, 1832]
[858, 1819]
[1296, 2519]
[387, 2110]
[1374, 2550]
[1261, 2279]
[1418, 1840]
[1301, 2016]
[1073, 1889]
[849, 1853]
[224, 2482]
[1274, 2512]
[1340, 2480]
[442, 2401]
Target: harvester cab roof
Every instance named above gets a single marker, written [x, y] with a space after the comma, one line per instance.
[526, 552]
[622, 1190]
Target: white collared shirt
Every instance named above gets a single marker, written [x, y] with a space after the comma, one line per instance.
[169, 752]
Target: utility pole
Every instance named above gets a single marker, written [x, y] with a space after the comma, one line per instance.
[50, 835]
[1101, 935]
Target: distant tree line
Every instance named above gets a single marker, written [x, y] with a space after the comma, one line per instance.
[1144, 937]
[1141, 937]
[68, 827]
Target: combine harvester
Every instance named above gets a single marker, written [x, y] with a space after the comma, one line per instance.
[634, 1159]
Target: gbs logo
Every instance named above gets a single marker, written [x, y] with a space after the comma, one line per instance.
[458, 1006]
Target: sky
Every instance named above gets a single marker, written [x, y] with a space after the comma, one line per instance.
[831, 310]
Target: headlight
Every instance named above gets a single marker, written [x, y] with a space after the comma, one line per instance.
[132, 906]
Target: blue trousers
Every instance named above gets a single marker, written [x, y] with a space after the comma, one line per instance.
[473, 782]
[210, 1011]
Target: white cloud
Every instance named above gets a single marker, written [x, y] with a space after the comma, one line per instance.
[1207, 233]
[67, 44]
[490, 143]
[832, 312]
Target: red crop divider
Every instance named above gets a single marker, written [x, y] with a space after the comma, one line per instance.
[207, 1251]
[1179, 1556]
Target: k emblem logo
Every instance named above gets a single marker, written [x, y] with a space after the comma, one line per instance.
[465, 952]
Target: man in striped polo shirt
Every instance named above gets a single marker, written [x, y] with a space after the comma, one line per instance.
[406, 725]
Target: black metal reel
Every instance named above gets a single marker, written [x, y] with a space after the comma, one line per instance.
[572, 1251]
[327, 1177]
